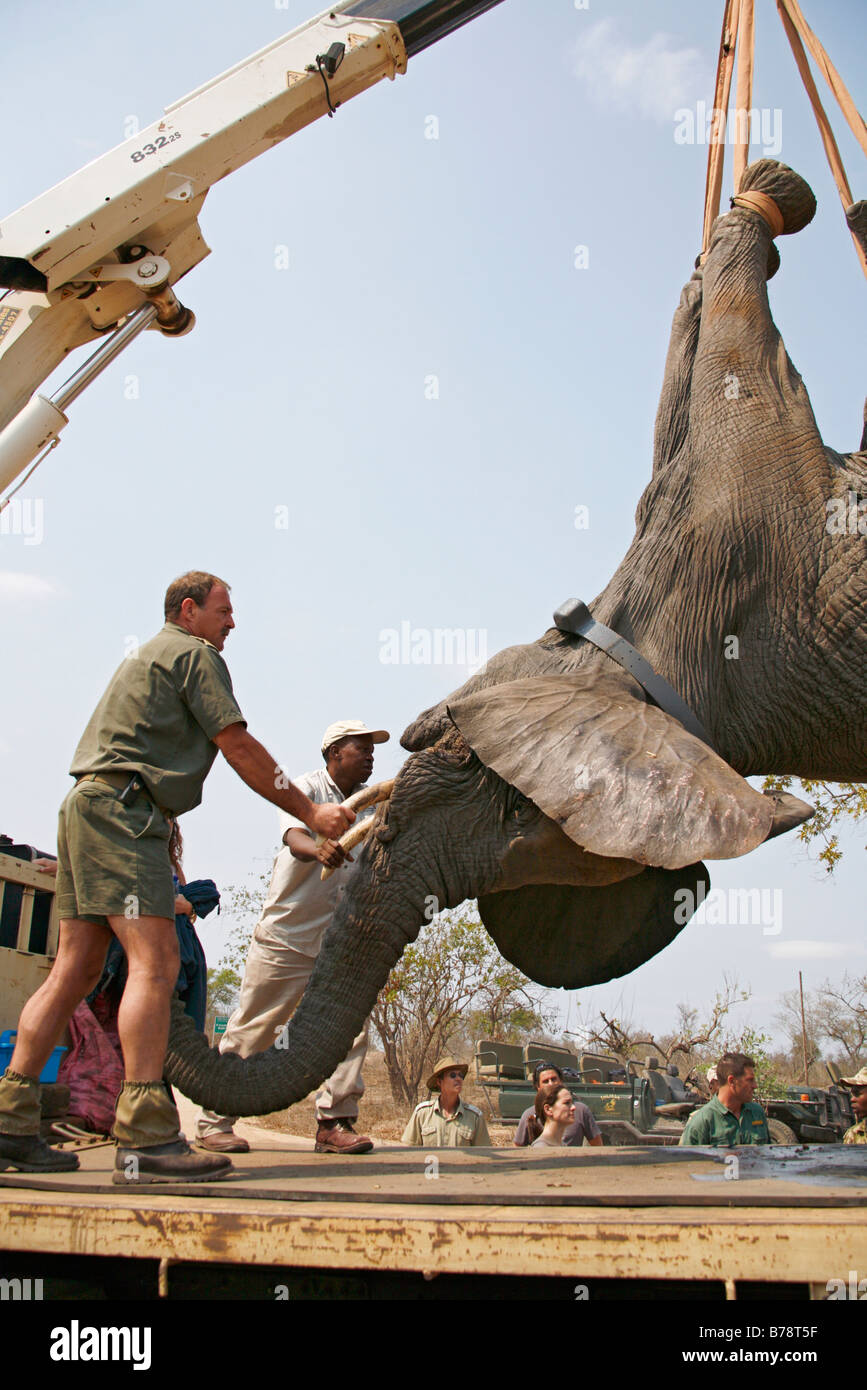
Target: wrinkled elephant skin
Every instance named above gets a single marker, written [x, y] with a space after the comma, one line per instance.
[549, 787]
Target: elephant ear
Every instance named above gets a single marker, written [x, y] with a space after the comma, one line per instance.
[569, 938]
[623, 778]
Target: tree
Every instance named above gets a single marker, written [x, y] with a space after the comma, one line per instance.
[508, 1006]
[223, 987]
[451, 980]
[243, 902]
[695, 1038]
[769, 1084]
[840, 1016]
[788, 1017]
[835, 1013]
[833, 802]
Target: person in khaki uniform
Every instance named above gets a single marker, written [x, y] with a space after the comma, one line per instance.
[142, 760]
[857, 1084]
[286, 942]
[445, 1121]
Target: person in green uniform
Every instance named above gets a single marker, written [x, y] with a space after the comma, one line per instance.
[445, 1121]
[142, 760]
[857, 1084]
[730, 1117]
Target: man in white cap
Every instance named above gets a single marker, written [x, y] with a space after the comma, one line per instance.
[857, 1084]
[286, 942]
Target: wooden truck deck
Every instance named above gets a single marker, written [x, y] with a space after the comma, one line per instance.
[397, 1221]
[784, 1216]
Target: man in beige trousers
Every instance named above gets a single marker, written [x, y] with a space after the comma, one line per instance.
[286, 942]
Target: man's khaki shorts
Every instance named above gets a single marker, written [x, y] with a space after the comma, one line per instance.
[112, 860]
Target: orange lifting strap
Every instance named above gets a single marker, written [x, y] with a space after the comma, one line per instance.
[738, 24]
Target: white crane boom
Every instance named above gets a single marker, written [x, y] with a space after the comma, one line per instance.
[102, 249]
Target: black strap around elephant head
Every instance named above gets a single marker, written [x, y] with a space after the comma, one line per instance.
[575, 617]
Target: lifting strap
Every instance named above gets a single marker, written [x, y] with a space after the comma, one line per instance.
[797, 29]
[738, 24]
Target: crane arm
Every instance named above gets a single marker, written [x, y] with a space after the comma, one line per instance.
[105, 245]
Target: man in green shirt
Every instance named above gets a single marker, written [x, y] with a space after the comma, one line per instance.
[730, 1117]
[142, 760]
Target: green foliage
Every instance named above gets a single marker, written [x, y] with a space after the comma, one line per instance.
[834, 801]
[242, 903]
[770, 1085]
[223, 986]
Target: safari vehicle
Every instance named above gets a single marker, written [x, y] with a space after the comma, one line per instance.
[28, 928]
[806, 1115]
[672, 1097]
[28, 942]
[621, 1101]
[813, 1114]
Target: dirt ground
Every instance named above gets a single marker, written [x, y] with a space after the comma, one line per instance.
[378, 1115]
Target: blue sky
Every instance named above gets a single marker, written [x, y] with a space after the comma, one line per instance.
[305, 394]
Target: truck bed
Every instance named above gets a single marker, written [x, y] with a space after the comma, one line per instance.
[784, 1216]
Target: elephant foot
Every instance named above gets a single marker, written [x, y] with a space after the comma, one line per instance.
[856, 216]
[792, 195]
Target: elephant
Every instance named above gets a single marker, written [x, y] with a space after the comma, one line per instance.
[550, 787]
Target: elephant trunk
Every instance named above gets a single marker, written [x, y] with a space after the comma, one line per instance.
[353, 965]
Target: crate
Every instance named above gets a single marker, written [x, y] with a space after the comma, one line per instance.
[7, 1046]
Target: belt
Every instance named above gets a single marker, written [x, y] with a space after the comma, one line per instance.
[575, 616]
[120, 781]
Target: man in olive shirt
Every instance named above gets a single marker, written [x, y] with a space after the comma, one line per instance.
[731, 1117]
[142, 759]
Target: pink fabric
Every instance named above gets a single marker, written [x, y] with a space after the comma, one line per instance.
[93, 1066]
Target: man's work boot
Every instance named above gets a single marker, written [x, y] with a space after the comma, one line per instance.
[175, 1162]
[338, 1137]
[21, 1146]
[224, 1141]
[150, 1146]
[29, 1153]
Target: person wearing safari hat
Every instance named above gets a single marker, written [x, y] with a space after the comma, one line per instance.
[857, 1084]
[445, 1121]
[286, 941]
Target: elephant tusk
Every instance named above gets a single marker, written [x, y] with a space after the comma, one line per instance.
[359, 801]
[353, 836]
[370, 796]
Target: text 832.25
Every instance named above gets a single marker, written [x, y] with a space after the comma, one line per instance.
[159, 143]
